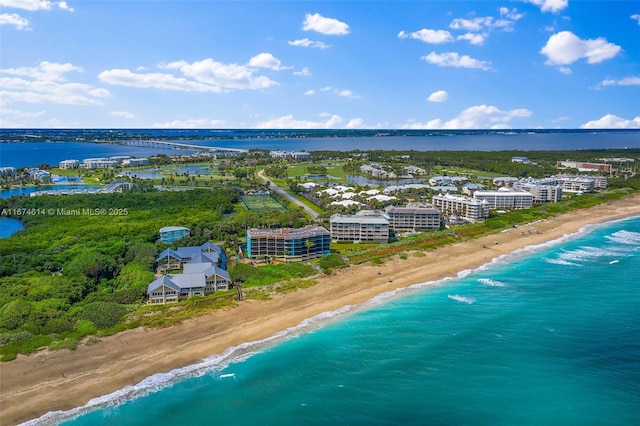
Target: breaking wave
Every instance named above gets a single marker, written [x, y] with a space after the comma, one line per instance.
[458, 298]
[491, 283]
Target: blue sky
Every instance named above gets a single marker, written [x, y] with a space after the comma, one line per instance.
[320, 64]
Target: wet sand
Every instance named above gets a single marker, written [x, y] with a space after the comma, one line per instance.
[31, 386]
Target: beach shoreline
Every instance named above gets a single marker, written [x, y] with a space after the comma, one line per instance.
[31, 386]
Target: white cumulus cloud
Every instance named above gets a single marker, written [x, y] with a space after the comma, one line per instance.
[33, 5]
[47, 83]
[439, 96]
[193, 123]
[266, 60]
[610, 121]
[565, 48]
[305, 42]
[289, 122]
[475, 39]
[475, 117]
[14, 19]
[310, 92]
[429, 36]
[454, 59]
[327, 26]
[550, 5]
[636, 17]
[206, 75]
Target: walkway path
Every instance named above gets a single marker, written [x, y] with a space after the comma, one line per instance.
[288, 196]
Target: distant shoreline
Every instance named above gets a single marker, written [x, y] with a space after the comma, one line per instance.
[61, 380]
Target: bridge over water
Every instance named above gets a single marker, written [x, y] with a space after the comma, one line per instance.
[182, 146]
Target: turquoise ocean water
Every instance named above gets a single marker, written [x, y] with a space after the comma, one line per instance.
[547, 336]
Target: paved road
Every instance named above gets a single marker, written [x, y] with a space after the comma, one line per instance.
[288, 196]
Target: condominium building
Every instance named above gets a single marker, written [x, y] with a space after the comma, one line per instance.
[576, 184]
[543, 193]
[285, 245]
[413, 217]
[364, 226]
[599, 182]
[505, 198]
[69, 164]
[99, 163]
[470, 209]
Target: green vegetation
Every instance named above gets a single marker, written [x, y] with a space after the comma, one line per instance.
[71, 274]
[250, 276]
[330, 262]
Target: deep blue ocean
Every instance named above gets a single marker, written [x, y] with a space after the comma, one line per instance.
[66, 147]
[546, 336]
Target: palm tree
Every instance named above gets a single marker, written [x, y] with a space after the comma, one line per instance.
[309, 244]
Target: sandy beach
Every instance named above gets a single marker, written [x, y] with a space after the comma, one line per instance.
[60, 380]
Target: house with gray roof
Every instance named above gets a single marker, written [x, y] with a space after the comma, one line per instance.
[201, 274]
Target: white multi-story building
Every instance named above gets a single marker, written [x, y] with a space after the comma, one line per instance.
[364, 226]
[132, 162]
[542, 193]
[599, 182]
[466, 208]
[576, 184]
[69, 164]
[99, 163]
[505, 198]
[413, 216]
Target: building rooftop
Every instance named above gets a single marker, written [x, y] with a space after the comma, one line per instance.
[306, 232]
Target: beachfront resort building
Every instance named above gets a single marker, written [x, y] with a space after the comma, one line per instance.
[505, 199]
[69, 164]
[364, 226]
[542, 193]
[465, 208]
[169, 234]
[203, 273]
[413, 217]
[285, 245]
[582, 183]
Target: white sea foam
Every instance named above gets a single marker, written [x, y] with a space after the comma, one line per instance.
[458, 298]
[491, 283]
[560, 262]
[625, 237]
